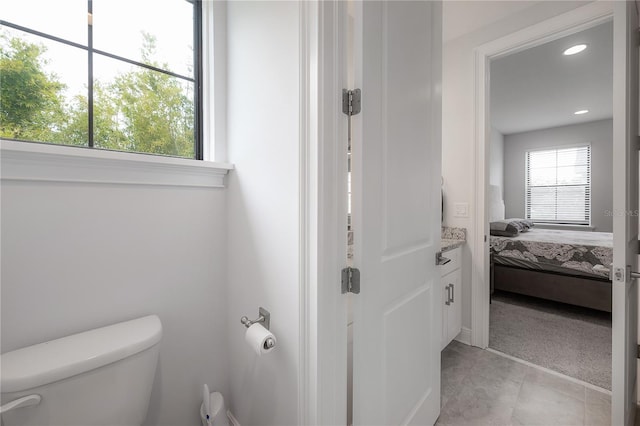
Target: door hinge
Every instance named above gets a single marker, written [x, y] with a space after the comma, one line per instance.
[350, 280]
[351, 101]
[638, 354]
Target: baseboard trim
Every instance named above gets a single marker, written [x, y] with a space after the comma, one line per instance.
[464, 336]
[232, 419]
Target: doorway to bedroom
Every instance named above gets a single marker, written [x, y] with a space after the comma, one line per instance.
[550, 205]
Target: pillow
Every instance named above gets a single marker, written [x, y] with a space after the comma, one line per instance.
[525, 224]
[505, 228]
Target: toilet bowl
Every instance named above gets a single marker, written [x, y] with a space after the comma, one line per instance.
[99, 377]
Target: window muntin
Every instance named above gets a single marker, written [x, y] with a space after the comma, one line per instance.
[558, 185]
[109, 99]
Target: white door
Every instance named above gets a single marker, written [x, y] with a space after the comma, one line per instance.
[625, 206]
[396, 213]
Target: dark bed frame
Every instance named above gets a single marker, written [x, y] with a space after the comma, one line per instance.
[594, 293]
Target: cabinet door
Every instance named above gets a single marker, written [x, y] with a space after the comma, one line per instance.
[454, 310]
[445, 313]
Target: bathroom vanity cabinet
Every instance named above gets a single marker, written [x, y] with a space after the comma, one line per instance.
[451, 296]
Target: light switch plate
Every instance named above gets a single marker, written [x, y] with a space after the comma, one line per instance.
[461, 210]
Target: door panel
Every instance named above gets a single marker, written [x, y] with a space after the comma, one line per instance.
[403, 353]
[396, 213]
[625, 207]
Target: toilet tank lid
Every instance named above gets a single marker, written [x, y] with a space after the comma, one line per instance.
[59, 359]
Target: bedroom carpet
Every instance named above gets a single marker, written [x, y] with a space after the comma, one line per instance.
[568, 339]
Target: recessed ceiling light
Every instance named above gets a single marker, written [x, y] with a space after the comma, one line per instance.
[575, 49]
[582, 111]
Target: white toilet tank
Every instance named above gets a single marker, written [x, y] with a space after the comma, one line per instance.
[98, 377]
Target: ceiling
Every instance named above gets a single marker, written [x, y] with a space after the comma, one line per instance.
[466, 16]
[540, 88]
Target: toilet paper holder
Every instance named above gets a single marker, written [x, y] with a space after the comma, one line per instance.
[263, 316]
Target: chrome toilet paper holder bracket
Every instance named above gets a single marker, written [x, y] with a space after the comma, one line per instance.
[263, 316]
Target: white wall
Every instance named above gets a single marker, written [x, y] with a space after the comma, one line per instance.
[598, 134]
[496, 160]
[458, 119]
[76, 256]
[264, 200]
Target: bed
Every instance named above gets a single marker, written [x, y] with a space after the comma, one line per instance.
[564, 266]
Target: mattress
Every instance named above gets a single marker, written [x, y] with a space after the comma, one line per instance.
[571, 252]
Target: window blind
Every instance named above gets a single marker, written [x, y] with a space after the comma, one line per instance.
[558, 185]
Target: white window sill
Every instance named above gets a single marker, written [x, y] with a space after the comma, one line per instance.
[55, 163]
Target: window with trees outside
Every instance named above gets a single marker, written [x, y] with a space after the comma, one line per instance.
[120, 75]
[558, 185]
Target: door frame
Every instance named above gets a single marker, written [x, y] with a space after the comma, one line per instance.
[551, 29]
[322, 379]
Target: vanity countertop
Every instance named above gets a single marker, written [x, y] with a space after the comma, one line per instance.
[447, 244]
[452, 238]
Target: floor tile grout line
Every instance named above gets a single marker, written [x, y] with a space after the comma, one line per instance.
[513, 410]
[552, 372]
[584, 418]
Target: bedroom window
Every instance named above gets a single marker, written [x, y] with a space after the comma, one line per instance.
[558, 186]
[113, 75]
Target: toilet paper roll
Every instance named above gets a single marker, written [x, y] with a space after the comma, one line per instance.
[257, 336]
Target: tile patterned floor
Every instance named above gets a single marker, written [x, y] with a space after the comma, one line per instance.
[482, 388]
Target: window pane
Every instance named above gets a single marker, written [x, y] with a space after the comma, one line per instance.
[542, 203]
[573, 202]
[567, 157]
[571, 175]
[154, 32]
[136, 109]
[67, 20]
[543, 176]
[538, 159]
[43, 94]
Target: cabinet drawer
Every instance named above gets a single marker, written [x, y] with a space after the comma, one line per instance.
[454, 255]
